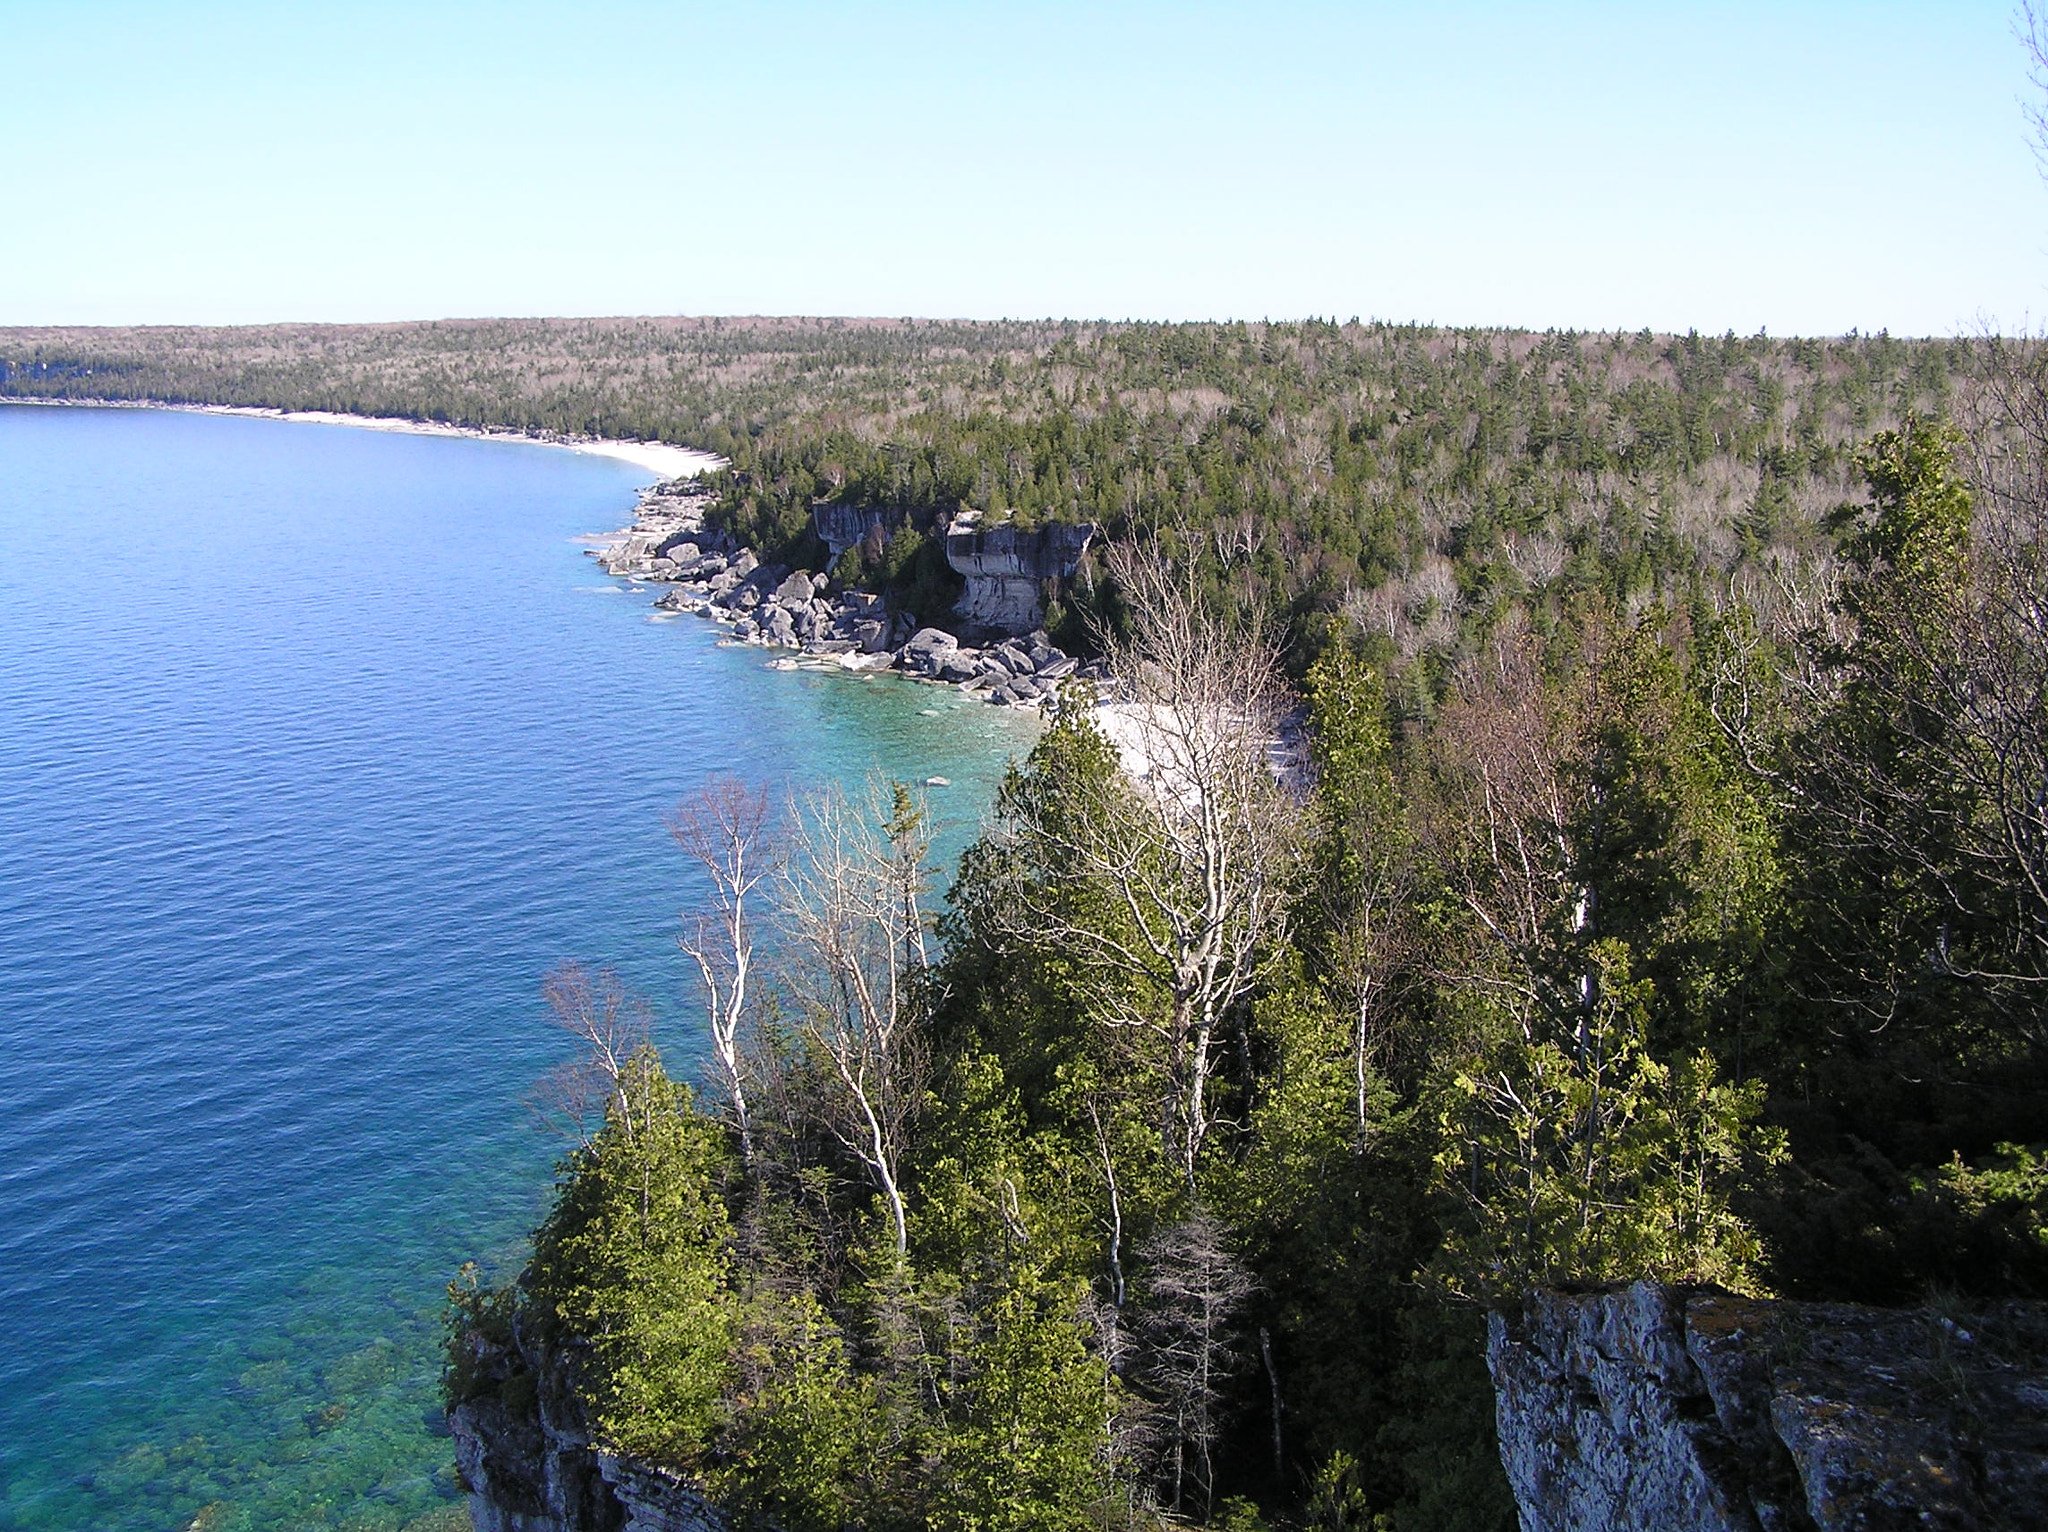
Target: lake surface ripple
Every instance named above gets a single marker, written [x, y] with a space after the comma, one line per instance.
[318, 747]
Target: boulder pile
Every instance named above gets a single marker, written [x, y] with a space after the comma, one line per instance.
[782, 608]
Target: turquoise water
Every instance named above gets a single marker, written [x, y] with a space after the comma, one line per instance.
[318, 747]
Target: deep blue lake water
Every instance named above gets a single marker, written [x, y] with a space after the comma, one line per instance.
[318, 747]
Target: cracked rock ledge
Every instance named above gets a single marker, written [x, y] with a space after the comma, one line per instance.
[1690, 1409]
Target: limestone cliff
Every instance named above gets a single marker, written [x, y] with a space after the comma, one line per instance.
[1690, 1410]
[841, 527]
[1647, 1409]
[1006, 568]
[522, 1444]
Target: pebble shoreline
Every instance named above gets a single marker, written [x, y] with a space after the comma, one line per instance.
[775, 607]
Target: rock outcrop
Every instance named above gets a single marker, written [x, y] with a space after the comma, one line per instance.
[1006, 568]
[780, 608]
[523, 1447]
[841, 527]
[1692, 1410]
[667, 538]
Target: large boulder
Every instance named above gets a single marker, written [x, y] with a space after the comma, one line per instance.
[1014, 658]
[928, 650]
[881, 659]
[795, 591]
[756, 588]
[959, 665]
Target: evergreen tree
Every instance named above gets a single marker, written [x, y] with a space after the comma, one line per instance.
[634, 1261]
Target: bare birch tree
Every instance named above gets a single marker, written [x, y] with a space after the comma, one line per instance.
[1495, 825]
[611, 1026]
[1194, 850]
[728, 829]
[2030, 25]
[852, 896]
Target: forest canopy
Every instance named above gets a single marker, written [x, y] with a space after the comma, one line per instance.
[1660, 888]
[1415, 479]
[1164, 1172]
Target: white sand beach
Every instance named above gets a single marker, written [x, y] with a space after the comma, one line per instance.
[669, 462]
[658, 458]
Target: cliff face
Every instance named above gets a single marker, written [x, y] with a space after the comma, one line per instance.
[1651, 1409]
[840, 527]
[1006, 569]
[522, 1443]
[1696, 1411]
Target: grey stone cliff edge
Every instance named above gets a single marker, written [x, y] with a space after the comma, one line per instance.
[523, 1448]
[1013, 663]
[1006, 568]
[841, 527]
[1692, 1410]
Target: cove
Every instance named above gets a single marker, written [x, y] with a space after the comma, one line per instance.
[318, 747]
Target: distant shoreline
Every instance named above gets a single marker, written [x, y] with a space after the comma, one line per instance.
[660, 458]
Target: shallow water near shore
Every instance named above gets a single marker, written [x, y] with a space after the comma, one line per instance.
[318, 747]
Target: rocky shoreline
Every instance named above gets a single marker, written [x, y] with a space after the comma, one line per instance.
[773, 606]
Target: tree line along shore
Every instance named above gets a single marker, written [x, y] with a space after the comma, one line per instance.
[1668, 899]
[1420, 480]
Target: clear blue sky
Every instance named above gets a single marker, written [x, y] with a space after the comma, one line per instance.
[1804, 167]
